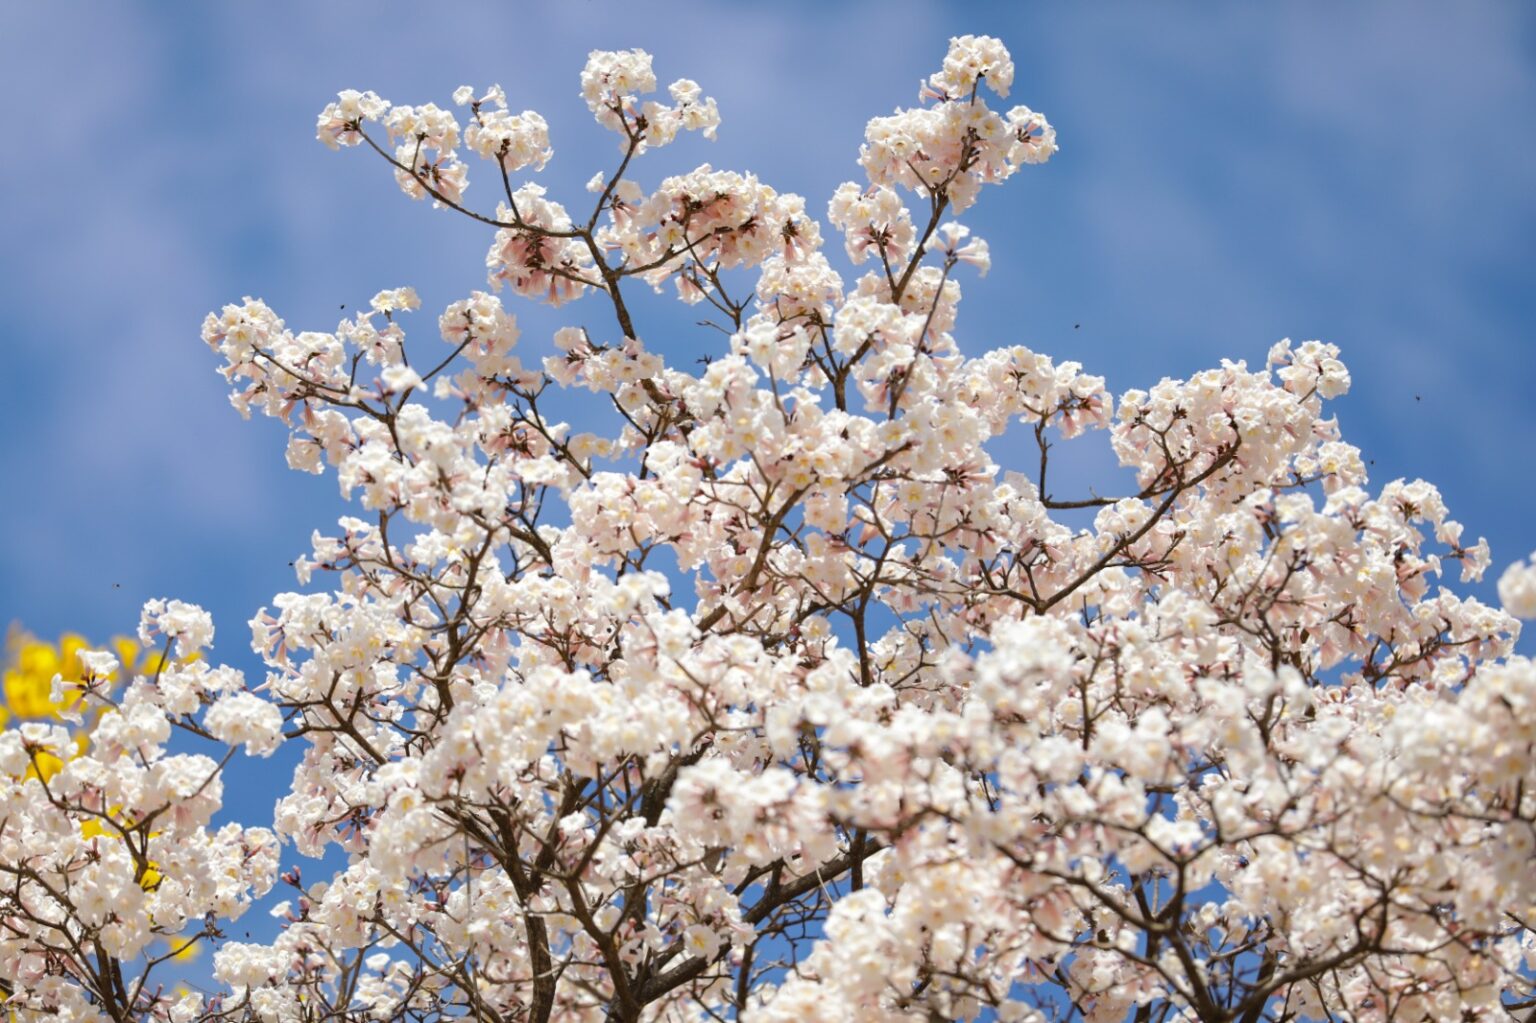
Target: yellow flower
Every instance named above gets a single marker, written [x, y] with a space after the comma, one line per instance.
[137, 660]
[186, 947]
[32, 664]
[93, 828]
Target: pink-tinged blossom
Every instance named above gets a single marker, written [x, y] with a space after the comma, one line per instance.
[514, 141]
[971, 62]
[338, 124]
[537, 257]
[1517, 588]
[188, 626]
[244, 719]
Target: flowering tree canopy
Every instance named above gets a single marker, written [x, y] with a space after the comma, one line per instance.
[793, 696]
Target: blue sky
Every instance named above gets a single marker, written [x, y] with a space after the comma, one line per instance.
[1228, 176]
